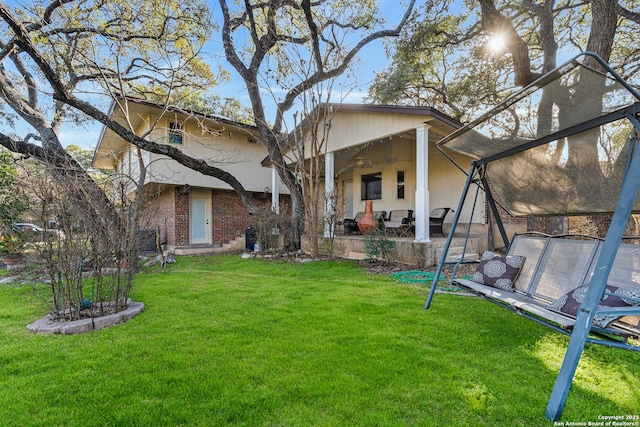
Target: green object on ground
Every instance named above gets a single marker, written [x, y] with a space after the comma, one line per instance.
[426, 277]
[416, 276]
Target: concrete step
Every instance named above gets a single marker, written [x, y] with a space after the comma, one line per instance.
[233, 245]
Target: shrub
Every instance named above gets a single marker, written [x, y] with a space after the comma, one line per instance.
[377, 246]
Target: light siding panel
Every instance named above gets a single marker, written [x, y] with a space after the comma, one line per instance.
[348, 129]
[230, 152]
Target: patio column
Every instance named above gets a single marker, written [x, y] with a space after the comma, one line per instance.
[329, 225]
[275, 191]
[421, 211]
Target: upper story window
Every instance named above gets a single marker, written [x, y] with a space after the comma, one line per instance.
[175, 133]
[400, 184]
[371, 186]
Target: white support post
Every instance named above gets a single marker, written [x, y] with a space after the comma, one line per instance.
[275, 191]
[421, 211]
[329, 168]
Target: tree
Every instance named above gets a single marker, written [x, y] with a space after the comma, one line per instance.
[471, 64]
[466, 61]
[215, 105]
[325, 37]
[84, 279]
[12, 204]
[56, 56]
[82, 156]
[534, 50]
[75, 60]
[309, 145]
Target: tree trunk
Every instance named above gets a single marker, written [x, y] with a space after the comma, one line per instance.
[604, 22]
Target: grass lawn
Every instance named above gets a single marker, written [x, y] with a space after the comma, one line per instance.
[231, 341]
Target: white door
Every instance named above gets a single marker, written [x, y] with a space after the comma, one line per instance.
[348, 199]
[199, 220]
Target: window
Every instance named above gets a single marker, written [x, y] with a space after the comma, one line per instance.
[371, 187]
[400, 184]
[175, 133]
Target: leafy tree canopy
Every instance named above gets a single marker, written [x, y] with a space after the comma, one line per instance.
[463, 57]
[215, 104]
[12, 200]
[69, 59]
[81, 155]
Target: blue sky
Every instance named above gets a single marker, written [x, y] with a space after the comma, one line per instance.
[371, 60]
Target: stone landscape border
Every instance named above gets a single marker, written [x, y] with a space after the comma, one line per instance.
[49, 325]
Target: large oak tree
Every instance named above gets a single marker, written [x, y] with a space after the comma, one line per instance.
[59, 58]
[291, 47]
[465, 60]
[463, 57]
[64, 60]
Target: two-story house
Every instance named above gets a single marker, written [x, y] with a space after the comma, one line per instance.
[193, 212]
[373, 152]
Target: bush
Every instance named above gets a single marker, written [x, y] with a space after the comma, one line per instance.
[8, 244]
[377, 246]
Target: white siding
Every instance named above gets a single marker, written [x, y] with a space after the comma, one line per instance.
[350, 128]
[229, 150]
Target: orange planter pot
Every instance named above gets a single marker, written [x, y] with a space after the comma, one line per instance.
[367, 224]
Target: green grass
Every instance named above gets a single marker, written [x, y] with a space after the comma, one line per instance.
[229, 341]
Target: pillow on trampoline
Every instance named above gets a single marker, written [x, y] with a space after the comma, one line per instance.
[499, 271]
[570, 302]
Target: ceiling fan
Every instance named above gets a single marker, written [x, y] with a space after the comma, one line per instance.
[359, 159]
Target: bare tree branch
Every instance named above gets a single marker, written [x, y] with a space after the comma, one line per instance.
[265, 39]
[494, 22]
[631, 16]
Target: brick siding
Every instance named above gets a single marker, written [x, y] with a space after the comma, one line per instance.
[160, 213]
[229, 217]
[181, 217]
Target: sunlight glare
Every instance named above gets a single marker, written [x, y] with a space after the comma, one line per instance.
[496, 43]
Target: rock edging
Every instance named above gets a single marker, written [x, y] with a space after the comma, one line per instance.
[48, 325]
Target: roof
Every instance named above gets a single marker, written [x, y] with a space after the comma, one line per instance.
[421, 114]
[110, 143]
[401, 109]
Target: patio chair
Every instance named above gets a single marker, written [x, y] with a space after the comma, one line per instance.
[399, 220]
[351, 225]
[436, 220]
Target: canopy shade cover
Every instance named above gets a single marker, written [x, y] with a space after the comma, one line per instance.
[558, 146]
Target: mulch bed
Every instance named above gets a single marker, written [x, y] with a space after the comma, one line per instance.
[373, 266]
[383, 267]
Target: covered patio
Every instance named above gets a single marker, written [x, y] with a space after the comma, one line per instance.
[386, 154]
[407, 250]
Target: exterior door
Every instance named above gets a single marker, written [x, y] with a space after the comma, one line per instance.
[199, 220]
